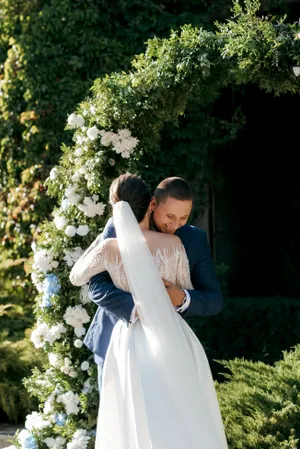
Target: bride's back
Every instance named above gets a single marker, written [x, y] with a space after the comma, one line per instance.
[168, 253]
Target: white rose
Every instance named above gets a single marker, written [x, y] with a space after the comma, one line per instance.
[85, 366]
[70, 231]
[93, 133]
[83, 230]
[75, 120]
[78, 343]
[60, 222]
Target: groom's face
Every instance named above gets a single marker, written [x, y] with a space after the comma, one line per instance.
[170, 215]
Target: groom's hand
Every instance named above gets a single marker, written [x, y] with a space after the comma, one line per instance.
[175, 293]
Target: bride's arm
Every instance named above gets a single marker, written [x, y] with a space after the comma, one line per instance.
[90, 263]
[80, 273]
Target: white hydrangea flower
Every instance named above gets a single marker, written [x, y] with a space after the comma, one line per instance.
[124, 143]
[76, 176]
[43, 333]
[93, 133]
[36, 421]
[70, 231]
[65, 204]
[67, 368]
[83, 230]
[90, 208]
[60, 222]
[82, 169]
[75, 121]
[55, 333]
[49, 403]
[80, 440]
[107, 138]
[38, 335]
[78, 152]
[124, 133]
[72, 194]
[76, 317]
[71, 256]
[87, 386]
[54, 443]
[84, 294]
[23, 435]
[54, 359]
[92, 109]
[81, 139]
[70, 401]
[43, 261]
[37, 281]
[85, 366]
[79, 331]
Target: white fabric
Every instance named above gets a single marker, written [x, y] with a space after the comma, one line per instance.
[186, 303]
[157, 390]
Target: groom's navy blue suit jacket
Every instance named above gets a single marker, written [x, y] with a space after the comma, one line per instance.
[115, 304]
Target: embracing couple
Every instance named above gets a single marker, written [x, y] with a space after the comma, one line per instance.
[147, 271]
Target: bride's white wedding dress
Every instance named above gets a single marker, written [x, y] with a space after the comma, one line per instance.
[157, 390]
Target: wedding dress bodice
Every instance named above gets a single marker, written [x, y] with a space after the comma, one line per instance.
[168, 253]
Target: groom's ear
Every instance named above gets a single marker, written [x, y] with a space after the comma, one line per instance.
[153, 204]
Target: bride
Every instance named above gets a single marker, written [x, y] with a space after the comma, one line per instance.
[158, 391]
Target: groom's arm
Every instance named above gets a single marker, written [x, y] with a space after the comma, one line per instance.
[103, 292]
[206, 298]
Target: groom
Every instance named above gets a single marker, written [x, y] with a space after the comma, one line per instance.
[171, 207]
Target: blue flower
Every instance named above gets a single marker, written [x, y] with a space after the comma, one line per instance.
[60, 419]
[51, 286]
[29, 443]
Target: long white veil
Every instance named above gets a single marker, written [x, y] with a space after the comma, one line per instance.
[157, 314]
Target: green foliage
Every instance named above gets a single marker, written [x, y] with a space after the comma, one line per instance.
[17, 360]
[17, 355]
[260, 403]
[263, 48]
[258, 329]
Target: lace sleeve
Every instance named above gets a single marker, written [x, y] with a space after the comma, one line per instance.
[90, 263]
[183, 275]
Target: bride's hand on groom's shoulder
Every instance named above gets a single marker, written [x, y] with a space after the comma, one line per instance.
[175, 293]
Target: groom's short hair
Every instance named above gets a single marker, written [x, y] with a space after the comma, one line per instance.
[173, 187]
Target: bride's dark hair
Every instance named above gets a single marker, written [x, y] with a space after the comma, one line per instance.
[134, 190]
